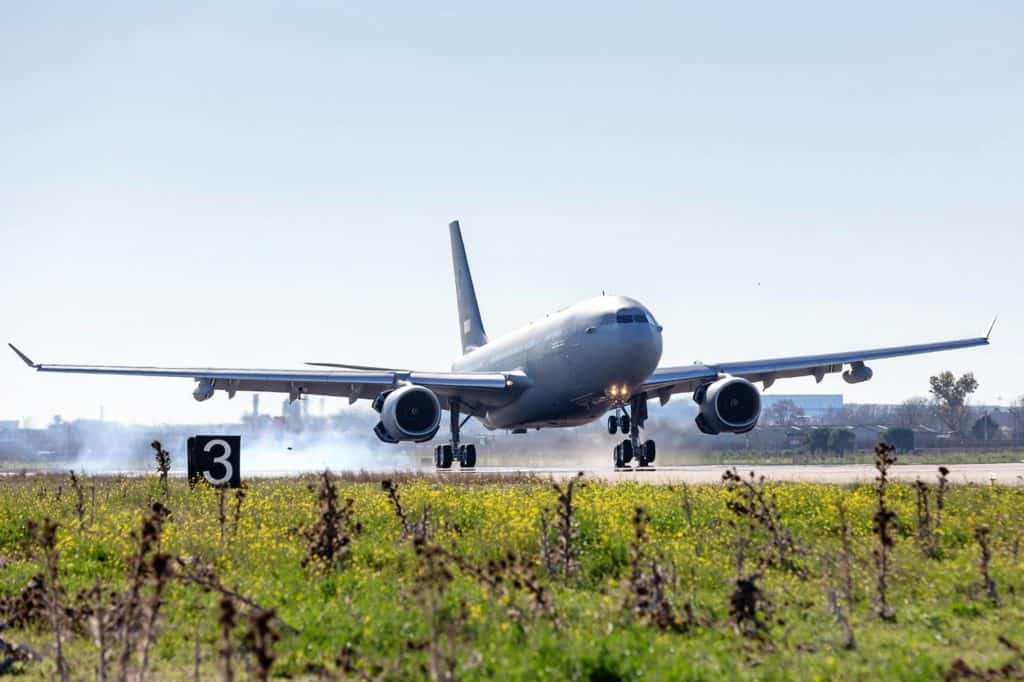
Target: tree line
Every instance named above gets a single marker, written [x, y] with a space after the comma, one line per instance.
[946, 409]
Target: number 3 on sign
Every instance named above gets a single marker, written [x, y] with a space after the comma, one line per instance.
[224, 459]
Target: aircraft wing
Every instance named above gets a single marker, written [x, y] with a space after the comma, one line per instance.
[476, 390]
[666, 381]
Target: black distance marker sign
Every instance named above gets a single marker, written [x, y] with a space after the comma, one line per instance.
[215, 459]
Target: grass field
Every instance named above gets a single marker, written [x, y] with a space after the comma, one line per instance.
[480, 578]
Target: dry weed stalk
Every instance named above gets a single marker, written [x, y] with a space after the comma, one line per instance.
[76, 485]
[745, 604]
[432, 579]
[163, 462]
[330, 538]
[836, 608]
[411, 529]
[237, 516]
[504, 578]
[845, 556]
[750, 501]
[650, 583]
[147, 566]
[981, 534]
[222, 518]
[227, 646]
[195, 572]
[1011, 670]
[882, 526]
[13, 654]
[259, 641]
[558, 543]
[926, 524]
[44, 536]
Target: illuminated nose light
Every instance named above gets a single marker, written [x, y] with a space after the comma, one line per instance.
[617, 391]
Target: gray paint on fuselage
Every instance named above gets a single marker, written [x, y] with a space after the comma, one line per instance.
[571, 359]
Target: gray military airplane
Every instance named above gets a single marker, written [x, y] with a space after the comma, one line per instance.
[566, 369]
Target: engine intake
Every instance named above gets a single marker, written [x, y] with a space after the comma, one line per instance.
[408, 413]
[204, 390]
[857, 373]
[729, 405]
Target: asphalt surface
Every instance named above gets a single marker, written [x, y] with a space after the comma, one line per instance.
[1002, 474]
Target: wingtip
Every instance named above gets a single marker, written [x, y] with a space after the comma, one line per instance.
[992, 326]
[24, 358]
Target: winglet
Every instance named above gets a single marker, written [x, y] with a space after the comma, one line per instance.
[991, 327]
[24, 358]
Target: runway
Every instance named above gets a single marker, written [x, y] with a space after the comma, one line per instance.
[1001, 474]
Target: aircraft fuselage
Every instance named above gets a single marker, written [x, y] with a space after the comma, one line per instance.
[580, 360]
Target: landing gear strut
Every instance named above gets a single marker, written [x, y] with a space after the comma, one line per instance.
[631, 448]
[465, 455]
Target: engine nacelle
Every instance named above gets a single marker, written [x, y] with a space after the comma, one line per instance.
[408, 413]
[729, 405]
[857, 373]
[204, 390]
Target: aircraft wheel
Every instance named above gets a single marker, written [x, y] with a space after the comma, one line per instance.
[627, 451]
[624, 424]
[468, 459]
[649, 451]
[446, 457]
[617, 457]
[613, 425]
[437, 456]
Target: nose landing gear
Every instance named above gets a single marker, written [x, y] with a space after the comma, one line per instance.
[465, 455]
[631, 448]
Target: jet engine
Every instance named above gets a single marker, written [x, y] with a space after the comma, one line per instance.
[204, 390]
[729, 405]
[408, 413]
[857, 373]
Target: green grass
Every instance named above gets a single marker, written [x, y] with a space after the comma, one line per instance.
[374, 606]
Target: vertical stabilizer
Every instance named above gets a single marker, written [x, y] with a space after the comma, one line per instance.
[471, 327]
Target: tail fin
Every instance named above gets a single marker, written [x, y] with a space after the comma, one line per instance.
[471, 327]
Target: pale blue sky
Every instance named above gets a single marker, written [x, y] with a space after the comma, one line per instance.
[257, 184]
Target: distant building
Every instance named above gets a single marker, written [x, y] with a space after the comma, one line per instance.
[814, 406]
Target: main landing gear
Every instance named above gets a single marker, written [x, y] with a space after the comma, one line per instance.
[631, 448]
[465, 455]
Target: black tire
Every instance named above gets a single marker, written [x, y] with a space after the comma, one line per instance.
[617, 456]
[627, 451]
[446, 456]
[624, 424]
[437, 456]
[468, 460]
[613, 425]
[649, 451]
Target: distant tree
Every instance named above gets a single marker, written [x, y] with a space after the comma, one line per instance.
[818, 439]
[951, 395]
[900, 436]
[1017, 418]
[841, 441]
[913, 412]
[986, 429]
[784, 413]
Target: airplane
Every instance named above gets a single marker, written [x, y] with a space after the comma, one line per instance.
[569, 368]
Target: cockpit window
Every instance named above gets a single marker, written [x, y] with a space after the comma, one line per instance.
[631, 315]
[607, 319]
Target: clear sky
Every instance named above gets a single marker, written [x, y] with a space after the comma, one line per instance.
[262, 184]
